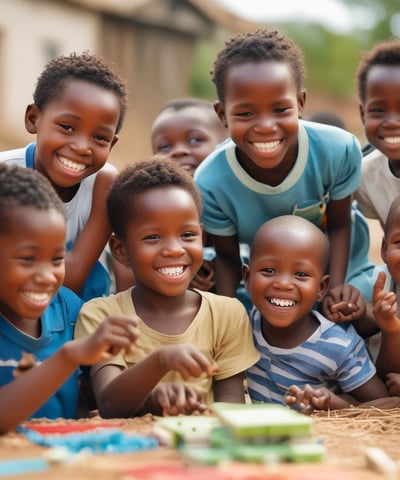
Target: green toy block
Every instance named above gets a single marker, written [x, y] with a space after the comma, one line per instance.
[262, 421]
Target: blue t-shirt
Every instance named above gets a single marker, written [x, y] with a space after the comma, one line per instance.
[334, 356]
[328, 167]
[58, 323]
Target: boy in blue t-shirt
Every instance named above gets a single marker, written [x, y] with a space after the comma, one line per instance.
[38, 361]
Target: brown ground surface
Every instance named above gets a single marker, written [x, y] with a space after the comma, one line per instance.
[345, 434]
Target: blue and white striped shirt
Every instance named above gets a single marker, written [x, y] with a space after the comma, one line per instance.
[334, 356]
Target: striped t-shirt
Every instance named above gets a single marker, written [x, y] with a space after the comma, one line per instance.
[334, 356]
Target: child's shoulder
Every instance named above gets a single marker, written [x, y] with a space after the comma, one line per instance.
[222, 303]
[14, 156]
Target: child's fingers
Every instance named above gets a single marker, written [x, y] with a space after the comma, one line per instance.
[379, 285]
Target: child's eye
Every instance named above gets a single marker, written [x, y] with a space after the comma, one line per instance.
[58, 260]
[195, 140]
[153, 236]
[66, 127]
[189, 235]
[269, 271]
[101, 139]
[282, 109]
[301, 274]
[26, 259]
[244, 114]
[163, 148]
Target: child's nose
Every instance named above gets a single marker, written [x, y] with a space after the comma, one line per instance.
[179, 150]
[265, 123]
[173, 247]
[44, 274]
[81, 145]
[283, 281]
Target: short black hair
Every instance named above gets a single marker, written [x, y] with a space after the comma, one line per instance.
[25, 187]
[140, 177]
[88, 67]
[257, 47]
[385, 53]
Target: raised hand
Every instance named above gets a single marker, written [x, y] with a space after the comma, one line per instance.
[385, 306]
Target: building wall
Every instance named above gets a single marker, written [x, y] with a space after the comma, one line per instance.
[31, 32]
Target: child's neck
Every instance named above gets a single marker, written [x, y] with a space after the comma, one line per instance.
[269, 176]
[170, 315]
[66, 193]
[394, 166]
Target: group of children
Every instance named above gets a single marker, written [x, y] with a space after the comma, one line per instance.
[251, 173]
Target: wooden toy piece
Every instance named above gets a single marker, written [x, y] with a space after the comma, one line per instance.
[262, 421]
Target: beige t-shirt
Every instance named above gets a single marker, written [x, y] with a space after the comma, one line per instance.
[221, 330]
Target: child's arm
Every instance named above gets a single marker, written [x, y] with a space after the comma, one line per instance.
[230, 389]
[21, 398]
[339, 230]
[128, 392]
[228, 265]
[385, 310]
[93, 237]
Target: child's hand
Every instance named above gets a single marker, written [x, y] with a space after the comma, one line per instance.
[185, 359]
[393, 384]
[308, 399]
[178, 398]
[112, 335]
[204, 279]
[344, 303]
[384, 306]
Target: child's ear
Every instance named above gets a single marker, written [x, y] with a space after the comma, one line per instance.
[118, 251]
[32, 114]
[301, 101]
[323, 288]
[246, 276]
[384, 250]
[114, 141]
[220, 111]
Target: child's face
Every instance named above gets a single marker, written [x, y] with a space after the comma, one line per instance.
[381, 111]
[163, 241]
[74, 133]
[286, 274]
[261, 111]
[186, 136]
[391, 249]
[32, 252]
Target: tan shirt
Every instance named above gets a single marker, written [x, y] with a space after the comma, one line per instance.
[221, 330]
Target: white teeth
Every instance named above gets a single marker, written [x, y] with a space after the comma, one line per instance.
[266, 146]
[38, 297]
[72, 165]
[392, 140]
[281, 302]
[171, 271]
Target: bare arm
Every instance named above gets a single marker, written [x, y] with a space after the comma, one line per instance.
[229, 389]
[339, 229]
[125, 393]
[111, 336]
[94, 236]
[228, 265]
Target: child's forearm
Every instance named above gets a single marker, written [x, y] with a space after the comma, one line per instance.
[388, 359]
[21, 398]
[128, 393]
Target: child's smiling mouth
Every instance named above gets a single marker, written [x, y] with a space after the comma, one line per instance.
[281, 302]
[76, 167]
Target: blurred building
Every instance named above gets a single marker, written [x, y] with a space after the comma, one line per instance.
[152, 42]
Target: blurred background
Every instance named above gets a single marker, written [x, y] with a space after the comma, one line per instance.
[166, 49]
